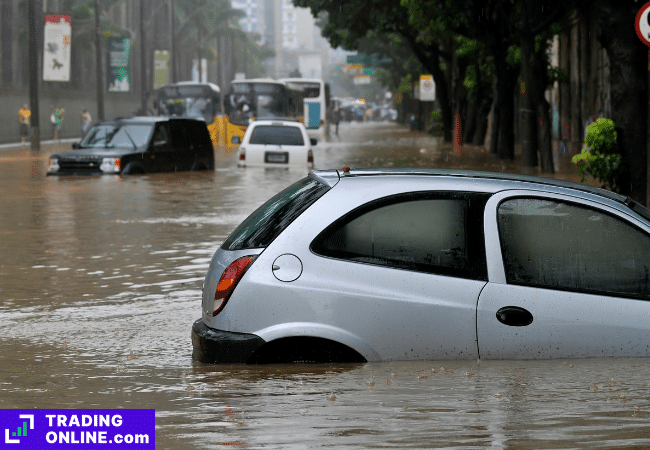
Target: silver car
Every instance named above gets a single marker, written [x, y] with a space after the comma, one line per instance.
[376, 265]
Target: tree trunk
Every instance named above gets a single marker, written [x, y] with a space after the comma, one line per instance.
[481, 127]
[469, 127]
[504, 105]
[430, 59]
[527, 110]
[628, 63]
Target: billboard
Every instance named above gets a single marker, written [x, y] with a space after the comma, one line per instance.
[56, 49]
[119, 55]
[160, 68]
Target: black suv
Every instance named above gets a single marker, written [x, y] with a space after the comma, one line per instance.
[138, 145]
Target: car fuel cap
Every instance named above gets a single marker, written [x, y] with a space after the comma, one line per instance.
[287, 267]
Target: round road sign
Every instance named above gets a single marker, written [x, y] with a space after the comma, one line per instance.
[642, 24]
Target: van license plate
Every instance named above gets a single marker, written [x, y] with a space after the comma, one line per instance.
[276, 157]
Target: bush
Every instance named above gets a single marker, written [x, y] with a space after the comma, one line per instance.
[600, 157]
[435, 126]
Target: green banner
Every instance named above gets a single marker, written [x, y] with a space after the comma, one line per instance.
[119, 55]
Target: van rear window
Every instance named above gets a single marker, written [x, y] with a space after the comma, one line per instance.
[260, 228]
[276, 135]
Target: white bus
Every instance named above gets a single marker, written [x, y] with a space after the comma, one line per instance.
[316, 102]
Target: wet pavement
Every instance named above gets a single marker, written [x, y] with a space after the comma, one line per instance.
[100, 281]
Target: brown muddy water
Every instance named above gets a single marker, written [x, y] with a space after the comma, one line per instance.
[100, 282]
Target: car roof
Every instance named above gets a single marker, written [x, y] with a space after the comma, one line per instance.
[148, 119]
[504, 180]
[277, 122]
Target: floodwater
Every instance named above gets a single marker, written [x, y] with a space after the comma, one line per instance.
[100, 282]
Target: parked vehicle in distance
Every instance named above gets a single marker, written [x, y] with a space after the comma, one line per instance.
[276, 143]
[138, 145]
[376, 265]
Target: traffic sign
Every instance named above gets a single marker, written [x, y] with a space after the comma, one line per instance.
[642, 24]
[427, 88]
[367, 59]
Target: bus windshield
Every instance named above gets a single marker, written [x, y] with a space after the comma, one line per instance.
[188, 101]
[310, 89]
[256, 100]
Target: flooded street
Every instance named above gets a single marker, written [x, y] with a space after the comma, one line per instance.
[100, 282]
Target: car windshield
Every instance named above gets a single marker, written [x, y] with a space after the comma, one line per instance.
[276, 135]
[269, 220]
[117, 135]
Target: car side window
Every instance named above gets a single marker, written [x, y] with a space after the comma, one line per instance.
[160, 135]
[558, 245]
[441, 234]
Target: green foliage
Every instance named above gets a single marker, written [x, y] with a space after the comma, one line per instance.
[436, 126]
[600, 157]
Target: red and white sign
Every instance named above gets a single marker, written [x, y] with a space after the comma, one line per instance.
[642, 24]
[56, 52]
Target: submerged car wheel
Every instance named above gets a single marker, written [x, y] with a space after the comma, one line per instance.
[132, 169]
[304, 350]
[199, 165]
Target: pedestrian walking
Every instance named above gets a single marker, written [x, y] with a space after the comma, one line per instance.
[336, 118]
[24, 117]
[57, 119]
[85, 121]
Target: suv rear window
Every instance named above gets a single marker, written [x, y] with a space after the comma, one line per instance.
[260, 228]
[276, 135]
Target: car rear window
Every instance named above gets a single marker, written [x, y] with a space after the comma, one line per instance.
[276, 135]
[260, 228]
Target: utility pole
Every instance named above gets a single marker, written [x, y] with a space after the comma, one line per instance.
[143, 62]
[99, 65]
[172, 56]
[198, 28]
[33, 76]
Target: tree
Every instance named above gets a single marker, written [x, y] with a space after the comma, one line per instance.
[628, 65]
[494, 24]
[536, 19]
[346, 26]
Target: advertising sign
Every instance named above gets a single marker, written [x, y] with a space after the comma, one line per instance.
[56, 49]
[119, 55]
[160, 68]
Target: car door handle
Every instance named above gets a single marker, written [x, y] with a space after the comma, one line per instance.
[514, 316]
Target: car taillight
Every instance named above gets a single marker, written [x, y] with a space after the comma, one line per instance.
[242, 154]
[310, 157]
[228, 281]
[322, 122]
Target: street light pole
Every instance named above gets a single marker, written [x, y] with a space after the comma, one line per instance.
[143, 62]
[172, 56]
[98, 63]
[33, 76]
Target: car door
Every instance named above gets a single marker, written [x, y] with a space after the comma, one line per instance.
[162, 157]
[567, 278]
[403, 275]
[181, 132]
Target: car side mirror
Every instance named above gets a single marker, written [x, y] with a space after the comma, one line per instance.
[313, 141]
[75, 145]
[236, 139]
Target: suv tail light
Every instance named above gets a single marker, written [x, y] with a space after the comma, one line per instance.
[228, 281]
[310, 157]
[242, 154]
